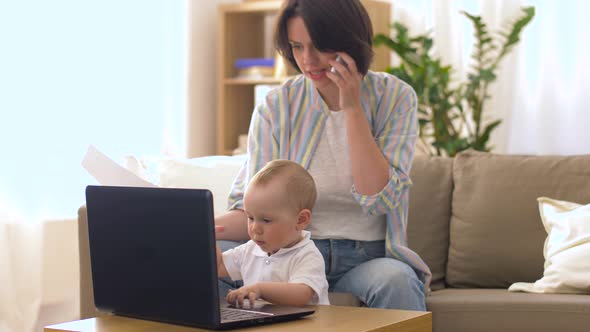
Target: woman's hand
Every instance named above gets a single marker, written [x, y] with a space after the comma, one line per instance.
[348, 80]
[219, 229]
[236, 297]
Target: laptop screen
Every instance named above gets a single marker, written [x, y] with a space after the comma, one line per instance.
[152, 253]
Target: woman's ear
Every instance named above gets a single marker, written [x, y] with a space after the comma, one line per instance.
[303, 219]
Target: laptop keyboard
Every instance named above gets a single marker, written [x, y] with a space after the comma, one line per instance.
[234, 314]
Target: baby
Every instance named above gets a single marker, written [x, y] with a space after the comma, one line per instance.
[280, 264]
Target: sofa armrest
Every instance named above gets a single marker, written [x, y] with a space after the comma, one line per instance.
[87, 308]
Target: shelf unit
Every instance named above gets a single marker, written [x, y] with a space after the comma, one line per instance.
[242, 31]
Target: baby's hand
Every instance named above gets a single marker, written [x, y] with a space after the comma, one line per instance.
[251, 293]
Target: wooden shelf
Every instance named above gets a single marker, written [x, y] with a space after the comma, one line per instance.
[252, 6]
[253, 81]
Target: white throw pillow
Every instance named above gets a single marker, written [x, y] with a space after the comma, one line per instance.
[215, 173]
[566, 250]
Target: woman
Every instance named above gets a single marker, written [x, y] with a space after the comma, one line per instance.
[355, 131]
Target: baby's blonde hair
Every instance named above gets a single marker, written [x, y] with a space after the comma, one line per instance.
[299, 185]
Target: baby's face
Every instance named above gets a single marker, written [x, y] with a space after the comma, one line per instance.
[271, 220]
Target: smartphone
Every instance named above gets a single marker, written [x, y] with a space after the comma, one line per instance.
[339, 59]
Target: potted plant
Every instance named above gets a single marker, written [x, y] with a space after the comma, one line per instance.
[451, 114]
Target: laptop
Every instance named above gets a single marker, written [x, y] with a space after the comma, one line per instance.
[152, 255]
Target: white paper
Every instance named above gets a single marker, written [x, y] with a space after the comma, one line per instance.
[108, 172]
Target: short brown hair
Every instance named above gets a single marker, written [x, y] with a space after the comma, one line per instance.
[299, 185]
[333, 26]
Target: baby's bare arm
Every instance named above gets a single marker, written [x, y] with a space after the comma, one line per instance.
[294, 294]
[221, 270]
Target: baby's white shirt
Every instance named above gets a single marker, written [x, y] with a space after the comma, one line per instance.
[302, 263]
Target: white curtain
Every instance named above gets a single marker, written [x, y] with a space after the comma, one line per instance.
[540, 90]
[73, 73]
[553, 116]
[38, 274]
[20, 268]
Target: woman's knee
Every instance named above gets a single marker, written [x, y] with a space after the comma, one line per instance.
[384, 283]
[386, 271]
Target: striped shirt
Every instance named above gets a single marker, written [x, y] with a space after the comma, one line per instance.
[288, 125]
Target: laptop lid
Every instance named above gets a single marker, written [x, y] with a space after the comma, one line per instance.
[152, 253]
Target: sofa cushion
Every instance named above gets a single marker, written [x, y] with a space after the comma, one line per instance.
[496, 233]
[485, 310]
[87, 308]
[429, 213]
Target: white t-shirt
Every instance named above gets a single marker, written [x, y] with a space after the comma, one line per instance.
[302, 263]
[336, 214]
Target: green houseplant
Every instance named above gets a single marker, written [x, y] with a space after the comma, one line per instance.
[451, 114]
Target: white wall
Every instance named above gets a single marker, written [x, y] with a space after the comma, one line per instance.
[72, 73]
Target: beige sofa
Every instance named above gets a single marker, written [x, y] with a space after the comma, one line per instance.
[475, 221]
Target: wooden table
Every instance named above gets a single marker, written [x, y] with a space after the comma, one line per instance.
[326, 318]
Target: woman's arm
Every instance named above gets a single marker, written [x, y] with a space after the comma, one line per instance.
[294, 294]
[381, 151]
[370, 169]
[235, 225]
[395, 127]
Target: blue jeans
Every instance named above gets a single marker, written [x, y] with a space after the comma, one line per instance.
[360, 268]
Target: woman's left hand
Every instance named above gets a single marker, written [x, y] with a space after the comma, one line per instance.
[348, 80]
